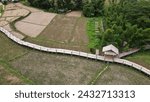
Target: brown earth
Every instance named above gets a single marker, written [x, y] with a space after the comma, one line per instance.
[35, 23]
[65, 32]
[74, 14]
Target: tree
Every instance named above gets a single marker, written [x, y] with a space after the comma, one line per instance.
[68, 4]
[78, 4]
[93, 8]
[99, 7]
[138, 13]
[88, 10]
[45, 4]
[127, 24]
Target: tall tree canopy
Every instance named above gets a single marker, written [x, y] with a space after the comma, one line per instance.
[90, 7]
[127, 24]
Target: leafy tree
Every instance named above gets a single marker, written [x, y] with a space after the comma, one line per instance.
[93, 8]
[78, 4]
[126, 24]
[88, 10]
[96, 7]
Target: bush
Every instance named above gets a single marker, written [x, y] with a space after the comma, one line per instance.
[94, 8]
[5, 2]
[88, 10]
[127, 24]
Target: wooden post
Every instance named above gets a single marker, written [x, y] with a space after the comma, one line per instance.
[97, 51]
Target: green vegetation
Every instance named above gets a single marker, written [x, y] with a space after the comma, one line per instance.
[11, 76]
[126, 25]
[61, 69]
[123, 25]
[93, 8]
[90, 7]
[92, 29]
[142, 58]
[58, 6]
[1, 10]
[27, 66]
[10, 51]
[98, 74]
[55, 69]
[122, 75]
[25, 2]
[71, 34]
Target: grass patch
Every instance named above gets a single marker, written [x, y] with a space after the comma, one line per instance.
[11, 76]
[1, 10]
[45, 68]
[142, 58]
[122, 75]
[56, 69]
[10, 50]
[98, 74]
[94, 41]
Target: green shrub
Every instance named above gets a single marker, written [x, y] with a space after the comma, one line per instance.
[88, 10]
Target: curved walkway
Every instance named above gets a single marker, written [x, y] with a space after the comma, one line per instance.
[71, 52]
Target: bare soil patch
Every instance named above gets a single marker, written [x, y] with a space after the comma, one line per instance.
[41, 18]
[7, 27]
[29, 29]
[17, 12]
[11, 19]
[65, 32]
[11, 7]
[2, 19]
[74, 14]
[31, 9]
[3, 23]
[35, 23]
[18, 35]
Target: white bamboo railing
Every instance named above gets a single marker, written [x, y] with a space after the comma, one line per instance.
[72, 52]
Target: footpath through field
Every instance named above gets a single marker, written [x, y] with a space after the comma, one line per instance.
[11, 15]
[76, 53]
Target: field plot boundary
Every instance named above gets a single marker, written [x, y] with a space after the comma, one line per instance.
[76, 53]
[36, 22]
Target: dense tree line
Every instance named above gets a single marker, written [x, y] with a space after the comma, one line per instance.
[127, 24]
[90, 7]
[93, 8]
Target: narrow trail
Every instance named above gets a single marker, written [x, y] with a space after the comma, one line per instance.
[93, 82]
[75, 53]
